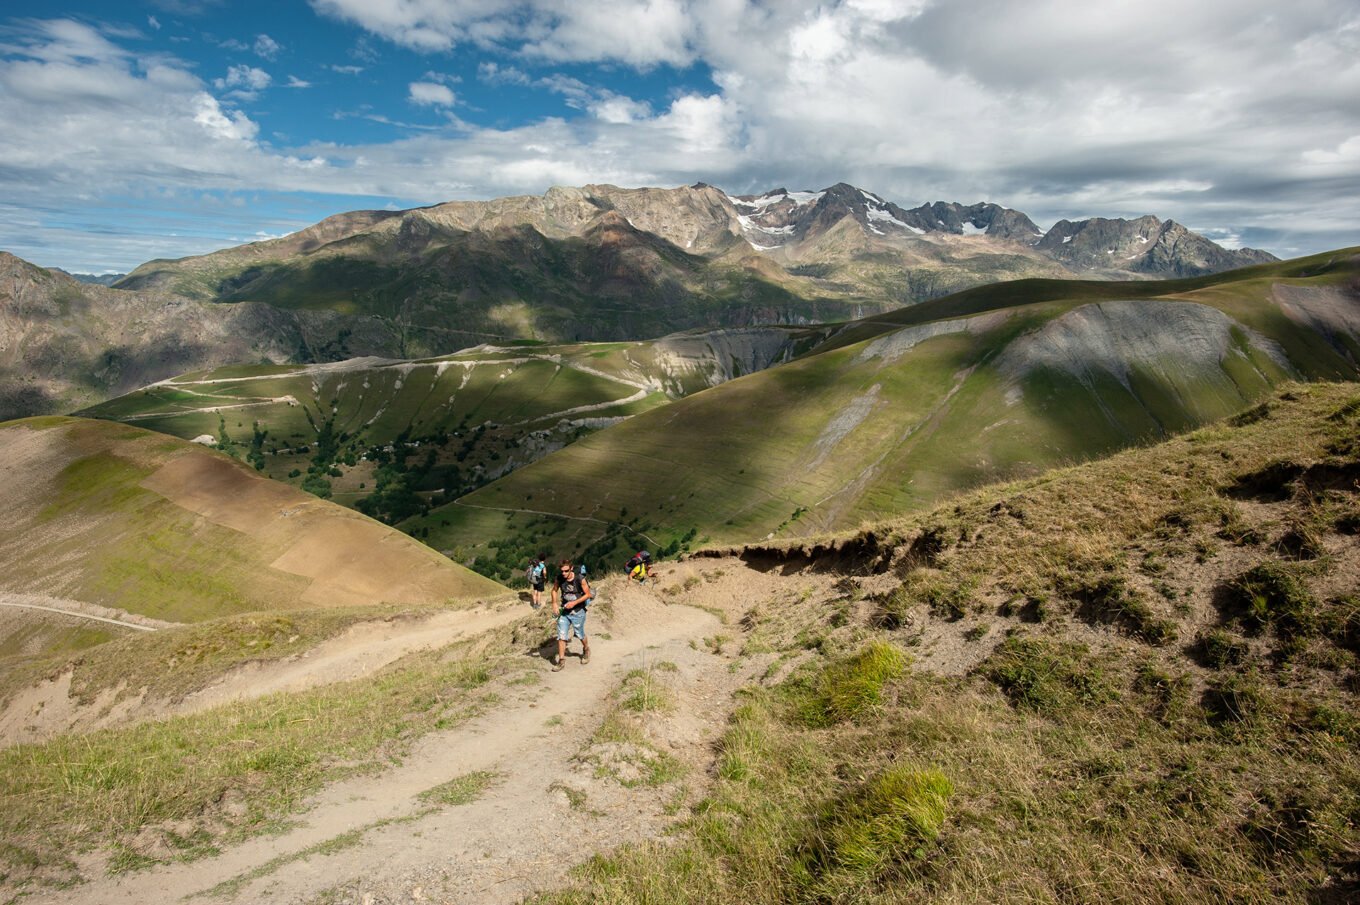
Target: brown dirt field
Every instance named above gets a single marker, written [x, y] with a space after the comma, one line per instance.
[350, 559]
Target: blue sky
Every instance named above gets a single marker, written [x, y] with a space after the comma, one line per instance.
[163, 128]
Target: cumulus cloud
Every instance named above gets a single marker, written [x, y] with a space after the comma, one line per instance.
[1244, 123]
[641, 33]
[234, 126]
[266, 47]
[244, 81]
[430, 94]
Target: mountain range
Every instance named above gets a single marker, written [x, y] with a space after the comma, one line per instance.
[605, 263]
[591, 263]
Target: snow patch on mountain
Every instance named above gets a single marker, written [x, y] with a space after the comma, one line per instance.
[883, 215]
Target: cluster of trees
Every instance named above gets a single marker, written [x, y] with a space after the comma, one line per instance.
[396, 480]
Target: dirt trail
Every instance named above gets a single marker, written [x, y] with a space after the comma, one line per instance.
[47, 709]
[81, 610]
[547, 809]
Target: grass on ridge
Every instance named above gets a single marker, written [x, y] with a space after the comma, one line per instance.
[231, 771]
[1086, 758]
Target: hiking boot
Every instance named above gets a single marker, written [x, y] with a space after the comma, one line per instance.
[585, 658]
[558, 664]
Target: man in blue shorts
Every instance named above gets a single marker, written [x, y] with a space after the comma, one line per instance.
[571, 594]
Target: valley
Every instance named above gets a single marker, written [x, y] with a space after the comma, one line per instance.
[964, 594]
[1013, 664]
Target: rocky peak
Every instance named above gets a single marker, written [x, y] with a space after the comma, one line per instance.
[983, 218]
[1142, 245]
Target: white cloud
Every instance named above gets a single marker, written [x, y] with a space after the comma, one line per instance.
[619, 109]
[430, 94]
[267, 47]
[1244, 123]
[244, 78]
[295, 82]
[495, 74]
[153, 22]
[235, 126]
[642, 33]
[1346, 153]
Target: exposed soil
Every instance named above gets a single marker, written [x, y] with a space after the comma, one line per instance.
[47, 709]
[558, 795]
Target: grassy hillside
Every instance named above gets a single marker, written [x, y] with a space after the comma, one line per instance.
[135, 521]
[1129, 681]
[1132, 680]
[903, 410]
[388, 436]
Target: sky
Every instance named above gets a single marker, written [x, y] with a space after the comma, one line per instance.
[141, 129]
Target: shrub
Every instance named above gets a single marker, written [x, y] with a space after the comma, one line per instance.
[315, 484]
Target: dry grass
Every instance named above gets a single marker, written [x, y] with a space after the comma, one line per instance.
[1168, 711]
[225, 773]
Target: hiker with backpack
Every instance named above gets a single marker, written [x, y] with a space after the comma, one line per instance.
[537, 575]
[571, 595]
[638, 566]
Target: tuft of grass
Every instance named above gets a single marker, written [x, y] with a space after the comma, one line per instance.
[621, 747]
[1217, 649]
[947, 597]
[576, 799]
[1106, 597]
[852, 687]
[643, 692]
[886, 830]
[1235, 700]
[1168, 693]
[1273, 594]
[1046, 676]
[463, 789]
